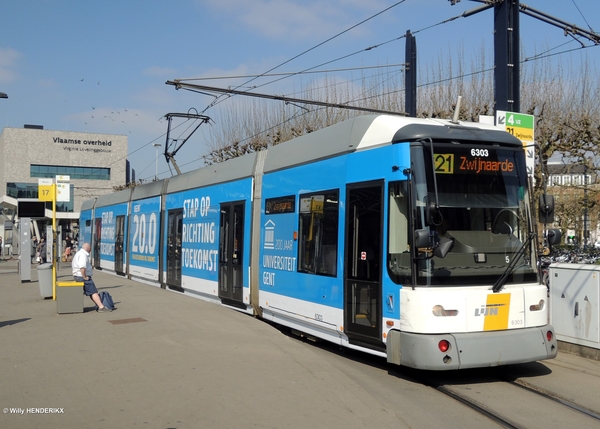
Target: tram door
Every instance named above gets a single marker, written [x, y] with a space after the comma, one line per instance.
[362, 272]
[174, 229]
[231, 241]
[97, 237]
[119, 244]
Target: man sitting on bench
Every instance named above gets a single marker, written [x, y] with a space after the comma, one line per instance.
[82, 271]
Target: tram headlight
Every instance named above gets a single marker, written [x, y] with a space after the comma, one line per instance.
[440, 311]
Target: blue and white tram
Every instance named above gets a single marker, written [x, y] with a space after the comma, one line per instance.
[406, 238]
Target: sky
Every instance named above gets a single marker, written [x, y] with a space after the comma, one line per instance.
[101, 66]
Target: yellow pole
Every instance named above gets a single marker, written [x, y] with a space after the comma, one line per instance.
[54, 242]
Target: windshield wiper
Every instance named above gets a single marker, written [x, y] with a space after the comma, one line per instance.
[499, 284]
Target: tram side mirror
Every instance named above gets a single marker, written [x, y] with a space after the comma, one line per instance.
[553, 236]
[422, 239]
[546, 208]
[431, 210]
[443, 247]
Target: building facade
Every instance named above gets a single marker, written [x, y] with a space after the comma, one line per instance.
[576, 193]
[95, 163]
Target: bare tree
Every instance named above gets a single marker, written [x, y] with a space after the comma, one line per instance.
[567, 110]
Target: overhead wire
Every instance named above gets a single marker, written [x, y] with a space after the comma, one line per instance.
[586, 21]
[291, 73]
[219, 98]
[282, 76]
[345, 82]
[312, 70]
[295, 116]
[539, 57]
[416, 32]
[354, 100]
[216, 101]
[140, 148]
[369, 48]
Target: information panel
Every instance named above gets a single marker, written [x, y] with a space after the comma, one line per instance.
[522, 127]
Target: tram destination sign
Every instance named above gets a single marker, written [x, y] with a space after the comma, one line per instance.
[474, 161]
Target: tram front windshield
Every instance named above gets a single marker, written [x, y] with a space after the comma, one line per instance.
[478, 199]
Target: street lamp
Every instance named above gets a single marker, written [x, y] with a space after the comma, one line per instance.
[156, 145]
[3, 95]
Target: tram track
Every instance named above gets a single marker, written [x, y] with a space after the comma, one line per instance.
[555, 398]
[524, 396]
[477, 407]
[497, 411]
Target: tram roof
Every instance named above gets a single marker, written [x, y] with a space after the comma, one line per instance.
[88, 204]
[111, 199]
[464, 131]
[226, 171]
[151, 189]
[368, 131]
[359, 133]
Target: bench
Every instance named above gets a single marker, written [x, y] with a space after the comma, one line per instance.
[69, 297]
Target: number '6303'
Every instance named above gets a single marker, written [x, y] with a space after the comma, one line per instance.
[479, 152]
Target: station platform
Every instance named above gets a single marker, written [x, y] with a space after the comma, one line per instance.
[164, 360]
[160, 360]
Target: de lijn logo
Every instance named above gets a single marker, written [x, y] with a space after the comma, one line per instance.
[488, 310]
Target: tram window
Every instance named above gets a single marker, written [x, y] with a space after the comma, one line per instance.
[398, 206]
[318, 233]
[399, 259]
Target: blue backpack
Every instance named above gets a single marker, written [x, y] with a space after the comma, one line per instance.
[107, 300]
